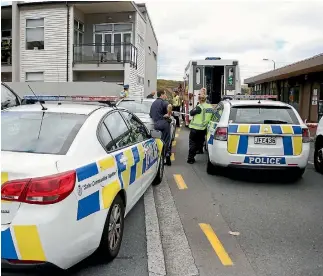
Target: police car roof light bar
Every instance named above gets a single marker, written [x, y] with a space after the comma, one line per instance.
[49, 98]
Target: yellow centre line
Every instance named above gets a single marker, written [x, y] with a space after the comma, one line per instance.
[216, 244]
[174, 143]
[180, 182]
[176, 135]
[172, 157]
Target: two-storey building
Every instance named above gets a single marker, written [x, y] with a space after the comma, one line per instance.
[75, 41]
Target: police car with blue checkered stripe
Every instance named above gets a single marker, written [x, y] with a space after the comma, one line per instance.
[71, 172]
[257, 134]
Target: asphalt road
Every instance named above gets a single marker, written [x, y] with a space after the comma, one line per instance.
[278, 225]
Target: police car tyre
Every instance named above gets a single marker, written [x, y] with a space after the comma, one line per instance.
[112, 232]
[318, 156]
[210, 168]
[159, 177]
[295, 176]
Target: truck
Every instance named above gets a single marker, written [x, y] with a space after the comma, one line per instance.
[221, 78]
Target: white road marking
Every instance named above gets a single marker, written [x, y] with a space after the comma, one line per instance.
[309, 162]
[155, 253]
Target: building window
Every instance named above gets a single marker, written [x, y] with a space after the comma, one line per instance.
[141, 41]
[34, 76]
[35, 34]
[140, 80]
[148, 83]
[149, 50]
[78, 32]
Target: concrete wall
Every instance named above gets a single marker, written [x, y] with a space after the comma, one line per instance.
[66, 88]
[53, 59]
[150, 60]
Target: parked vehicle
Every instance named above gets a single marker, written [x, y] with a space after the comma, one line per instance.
[71, 172]
[318, 151]
[8, 97]
[260, 135]
[142, 109]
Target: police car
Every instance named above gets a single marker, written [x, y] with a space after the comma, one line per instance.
[70, 174]
[318, 152]
[257, 134]
[142, 110]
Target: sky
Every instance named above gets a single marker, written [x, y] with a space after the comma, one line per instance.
[248, 31]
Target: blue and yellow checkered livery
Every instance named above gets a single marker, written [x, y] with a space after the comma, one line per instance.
[129, 165]
[238, 137]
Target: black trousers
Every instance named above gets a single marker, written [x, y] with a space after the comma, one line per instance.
[178, 109]
[196, 142]
[164, 127]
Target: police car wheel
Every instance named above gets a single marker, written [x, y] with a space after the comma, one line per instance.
[318, 154]
[113, 231]
[210, 168]
[159, 177]
[295, 176]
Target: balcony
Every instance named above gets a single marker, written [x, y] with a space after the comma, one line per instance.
[107, 56]
[6, 56]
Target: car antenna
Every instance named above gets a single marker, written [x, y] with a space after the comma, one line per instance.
[43, 107]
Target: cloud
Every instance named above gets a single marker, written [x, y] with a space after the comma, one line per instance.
[244, 30]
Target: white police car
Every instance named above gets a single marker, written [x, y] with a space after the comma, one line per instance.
[257, 135]
[70, 174]
[318, 152]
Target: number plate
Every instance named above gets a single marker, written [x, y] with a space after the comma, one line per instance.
[265, 140]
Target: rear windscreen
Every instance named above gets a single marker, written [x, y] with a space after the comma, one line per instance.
[263, 115]
[135, 107]
[39, 132]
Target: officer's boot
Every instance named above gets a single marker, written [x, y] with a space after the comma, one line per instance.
[168, 161]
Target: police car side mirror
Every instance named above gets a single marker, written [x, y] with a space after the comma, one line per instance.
[155, 134]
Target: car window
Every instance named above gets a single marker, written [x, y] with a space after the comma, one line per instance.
[39, 132]
[8, 99]
[263, 115]
[135, 107]
[120, 133]
[217, 113]
[138, 129]
[106, 138]
[148, 104]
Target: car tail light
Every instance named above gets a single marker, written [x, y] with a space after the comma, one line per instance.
[221, 134]
[41, 190]
[305, 135]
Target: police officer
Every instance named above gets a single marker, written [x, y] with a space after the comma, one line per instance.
[202, 115]
[125, 92]
[177, 106]
[151, 95]
[160, 113]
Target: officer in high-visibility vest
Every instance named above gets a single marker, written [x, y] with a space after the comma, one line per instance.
[202, 115]
[177, 106]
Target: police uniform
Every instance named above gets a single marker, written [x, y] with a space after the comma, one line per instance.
[157, 111]
[202, 115]
[125, 93]
[177, 107]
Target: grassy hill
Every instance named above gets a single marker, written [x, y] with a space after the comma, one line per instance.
[163, 84]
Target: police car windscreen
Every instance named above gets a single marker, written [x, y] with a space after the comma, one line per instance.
[263, 115]
[39, 132]
[135, 107]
